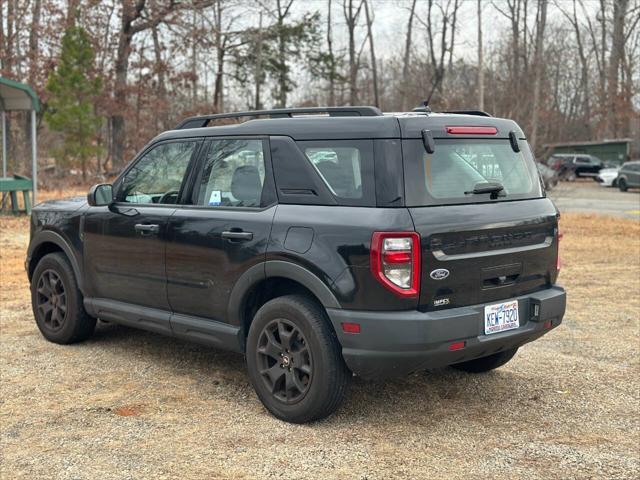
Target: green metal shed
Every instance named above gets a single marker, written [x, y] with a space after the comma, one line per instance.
[18, 96]
[616, 151]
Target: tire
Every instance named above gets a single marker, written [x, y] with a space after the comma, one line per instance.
[622, 185]
[57, 302]
[312, 364]
[486, 364]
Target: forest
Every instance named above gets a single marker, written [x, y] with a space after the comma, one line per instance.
[112, 74]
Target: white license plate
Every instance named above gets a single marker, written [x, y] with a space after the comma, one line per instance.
[501, 317]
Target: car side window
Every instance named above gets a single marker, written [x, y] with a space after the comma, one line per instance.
[583, 160]
[345, 166]
[158, 175]
[233, 174]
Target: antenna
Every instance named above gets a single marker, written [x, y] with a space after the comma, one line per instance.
[423, 107]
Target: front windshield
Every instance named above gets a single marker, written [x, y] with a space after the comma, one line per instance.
[458, 166]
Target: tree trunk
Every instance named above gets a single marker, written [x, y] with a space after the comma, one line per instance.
[351, 18]
[72, 12]
[120, 98]
[33, 42]
[538, 65]
[218, 93]
[480, 62]
[130, 13]
[374, 68]
[162, 105]
[194, 65]
[407, 58]
[258, 70]
[615, 59]
[281, 100]
[332, 60]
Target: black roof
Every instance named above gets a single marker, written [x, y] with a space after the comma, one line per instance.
[316, 127]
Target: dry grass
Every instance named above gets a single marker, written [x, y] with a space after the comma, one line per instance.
[130, 404]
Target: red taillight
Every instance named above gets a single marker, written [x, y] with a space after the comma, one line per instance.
[558, 263]
[457, 346]
[395, 261]
[472, 130]
[348, 327]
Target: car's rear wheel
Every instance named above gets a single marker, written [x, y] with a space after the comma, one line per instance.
[622, 185]
[294, 360]
[486, 364]
[57, 302]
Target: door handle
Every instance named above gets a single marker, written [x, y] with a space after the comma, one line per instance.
[147, 230]
[237, 235]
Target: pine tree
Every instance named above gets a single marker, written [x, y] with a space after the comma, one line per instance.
[73, 88]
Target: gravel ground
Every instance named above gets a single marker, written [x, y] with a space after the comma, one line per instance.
[130, 404]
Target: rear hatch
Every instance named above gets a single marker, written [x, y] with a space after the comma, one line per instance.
[487, 231]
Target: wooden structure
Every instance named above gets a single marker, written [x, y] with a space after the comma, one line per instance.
[18, 96]
[13, 186]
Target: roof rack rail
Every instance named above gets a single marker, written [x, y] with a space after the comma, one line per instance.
[479, 113]
[203, 120]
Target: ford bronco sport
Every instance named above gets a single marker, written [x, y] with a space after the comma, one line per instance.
[319, 242]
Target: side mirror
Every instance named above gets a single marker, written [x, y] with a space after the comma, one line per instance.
[100, 195]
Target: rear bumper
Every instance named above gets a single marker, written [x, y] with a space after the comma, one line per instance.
[397, 343]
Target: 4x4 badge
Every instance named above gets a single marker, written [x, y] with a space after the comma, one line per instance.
[439, 274]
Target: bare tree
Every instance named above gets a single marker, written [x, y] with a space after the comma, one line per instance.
[258, 67]
[332, 59]
[541, 21]
[406, 58]
[162, 120]
[615, 60]
[351, 14]
[33, 41]
[134, 18]
[480, 62]
[444, 50]
[374, 68]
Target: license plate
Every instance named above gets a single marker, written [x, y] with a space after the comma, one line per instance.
[501, 317]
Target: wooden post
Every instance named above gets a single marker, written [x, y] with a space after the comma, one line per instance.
[3, 117]
[34, 157]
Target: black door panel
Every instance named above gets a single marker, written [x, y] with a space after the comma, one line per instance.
[207, 251]
[124, 254]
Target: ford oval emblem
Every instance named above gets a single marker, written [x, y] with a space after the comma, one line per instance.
[439, 274]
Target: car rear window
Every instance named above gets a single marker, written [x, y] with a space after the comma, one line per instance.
[449, 175]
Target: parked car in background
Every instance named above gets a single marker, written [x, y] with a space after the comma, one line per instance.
[549, 176]
[608, 177]
[571, 166]
[629, 176]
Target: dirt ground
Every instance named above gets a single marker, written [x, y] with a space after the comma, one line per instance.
[130, 404]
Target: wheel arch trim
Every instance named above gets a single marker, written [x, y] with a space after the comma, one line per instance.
[272, 269]
[49, 236]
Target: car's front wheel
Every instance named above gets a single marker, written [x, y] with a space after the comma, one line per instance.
[294, 360]
[622, 185]
[57, 302]
[485, 364]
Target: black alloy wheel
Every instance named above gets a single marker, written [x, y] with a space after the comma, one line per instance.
[284, 361]
[51, 300]
[57, 301]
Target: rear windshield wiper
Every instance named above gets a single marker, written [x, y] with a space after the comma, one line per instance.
[494, 188]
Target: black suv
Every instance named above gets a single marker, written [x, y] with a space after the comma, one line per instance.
[320, 246]
[571, 166]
